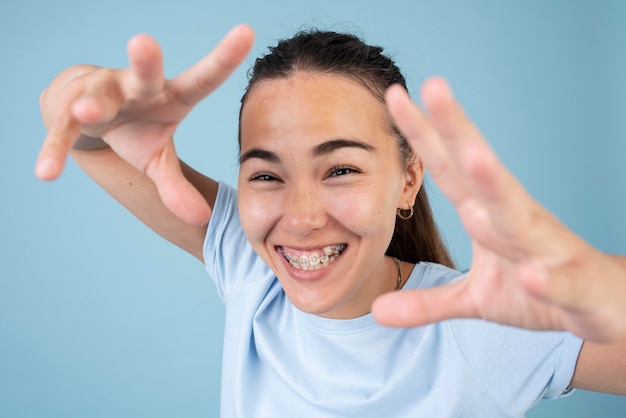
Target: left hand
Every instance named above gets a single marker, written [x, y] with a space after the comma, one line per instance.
[528, 269]
[135, 111]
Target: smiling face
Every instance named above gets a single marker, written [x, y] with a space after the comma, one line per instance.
[319, 183]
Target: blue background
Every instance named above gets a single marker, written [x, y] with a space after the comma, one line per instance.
[100, 318]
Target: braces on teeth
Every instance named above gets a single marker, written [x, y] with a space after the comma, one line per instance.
[315, 261]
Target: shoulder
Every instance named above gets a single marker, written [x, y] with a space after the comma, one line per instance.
[229, 258]
[427, 274]
[531, 364]
[515, 365]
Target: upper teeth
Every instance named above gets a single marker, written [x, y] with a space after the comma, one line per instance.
[315, 260]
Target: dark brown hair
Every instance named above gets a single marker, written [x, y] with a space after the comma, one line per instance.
[417, 238]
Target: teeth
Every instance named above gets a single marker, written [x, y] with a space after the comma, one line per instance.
[315, 261]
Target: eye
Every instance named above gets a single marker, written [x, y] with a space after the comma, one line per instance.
[342, 171]
[262, 177]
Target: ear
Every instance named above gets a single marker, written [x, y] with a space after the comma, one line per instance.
[414, 176]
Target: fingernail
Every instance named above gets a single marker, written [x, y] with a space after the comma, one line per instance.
[445, 87]
[46, 168]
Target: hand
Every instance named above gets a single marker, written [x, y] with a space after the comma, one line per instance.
[528, 270]
[136, 111]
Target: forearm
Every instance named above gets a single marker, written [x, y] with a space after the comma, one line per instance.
[601, 368]
[138, 193]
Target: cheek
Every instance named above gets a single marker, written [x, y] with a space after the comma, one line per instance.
[366, 214]
[258, 215]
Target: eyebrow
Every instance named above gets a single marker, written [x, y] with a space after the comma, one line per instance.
[328, 147]
[322, 149]
[259, 153]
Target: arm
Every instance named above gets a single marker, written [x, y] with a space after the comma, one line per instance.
[135, 112]
[138, 193]
[528, 269]
[601, 368]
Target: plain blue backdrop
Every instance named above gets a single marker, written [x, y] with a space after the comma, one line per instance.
[99, 317]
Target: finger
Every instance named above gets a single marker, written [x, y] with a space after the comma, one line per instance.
[55, 148]
[593, 308]
[498, 197]
[411, 308]
[84, 103]
[203, 78]
[426, 143]
[558, 289]
[176, 192]
[462, 140]
[500, 201]
[446, 114]
[466, 145]
[569, 286]
[146, 67]
[62, 129]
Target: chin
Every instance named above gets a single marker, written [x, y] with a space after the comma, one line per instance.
[315, 306]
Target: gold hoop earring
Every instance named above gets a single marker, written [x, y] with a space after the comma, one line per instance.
[401, 215]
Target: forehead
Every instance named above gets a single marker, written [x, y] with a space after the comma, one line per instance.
[311, 106]
[316, 80]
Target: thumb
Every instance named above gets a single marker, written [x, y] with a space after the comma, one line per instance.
[410, 308]
[176, 192]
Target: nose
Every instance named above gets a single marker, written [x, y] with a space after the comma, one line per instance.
[304, 210]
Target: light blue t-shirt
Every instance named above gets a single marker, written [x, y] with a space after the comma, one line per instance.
[281, 362]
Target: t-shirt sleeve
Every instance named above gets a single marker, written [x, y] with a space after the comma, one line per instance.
[228, 256]
[519, 367]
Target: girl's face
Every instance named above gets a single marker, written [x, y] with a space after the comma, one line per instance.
[319, 183]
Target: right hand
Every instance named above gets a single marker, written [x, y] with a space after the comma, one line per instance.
[528, 269]
[136, 111]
